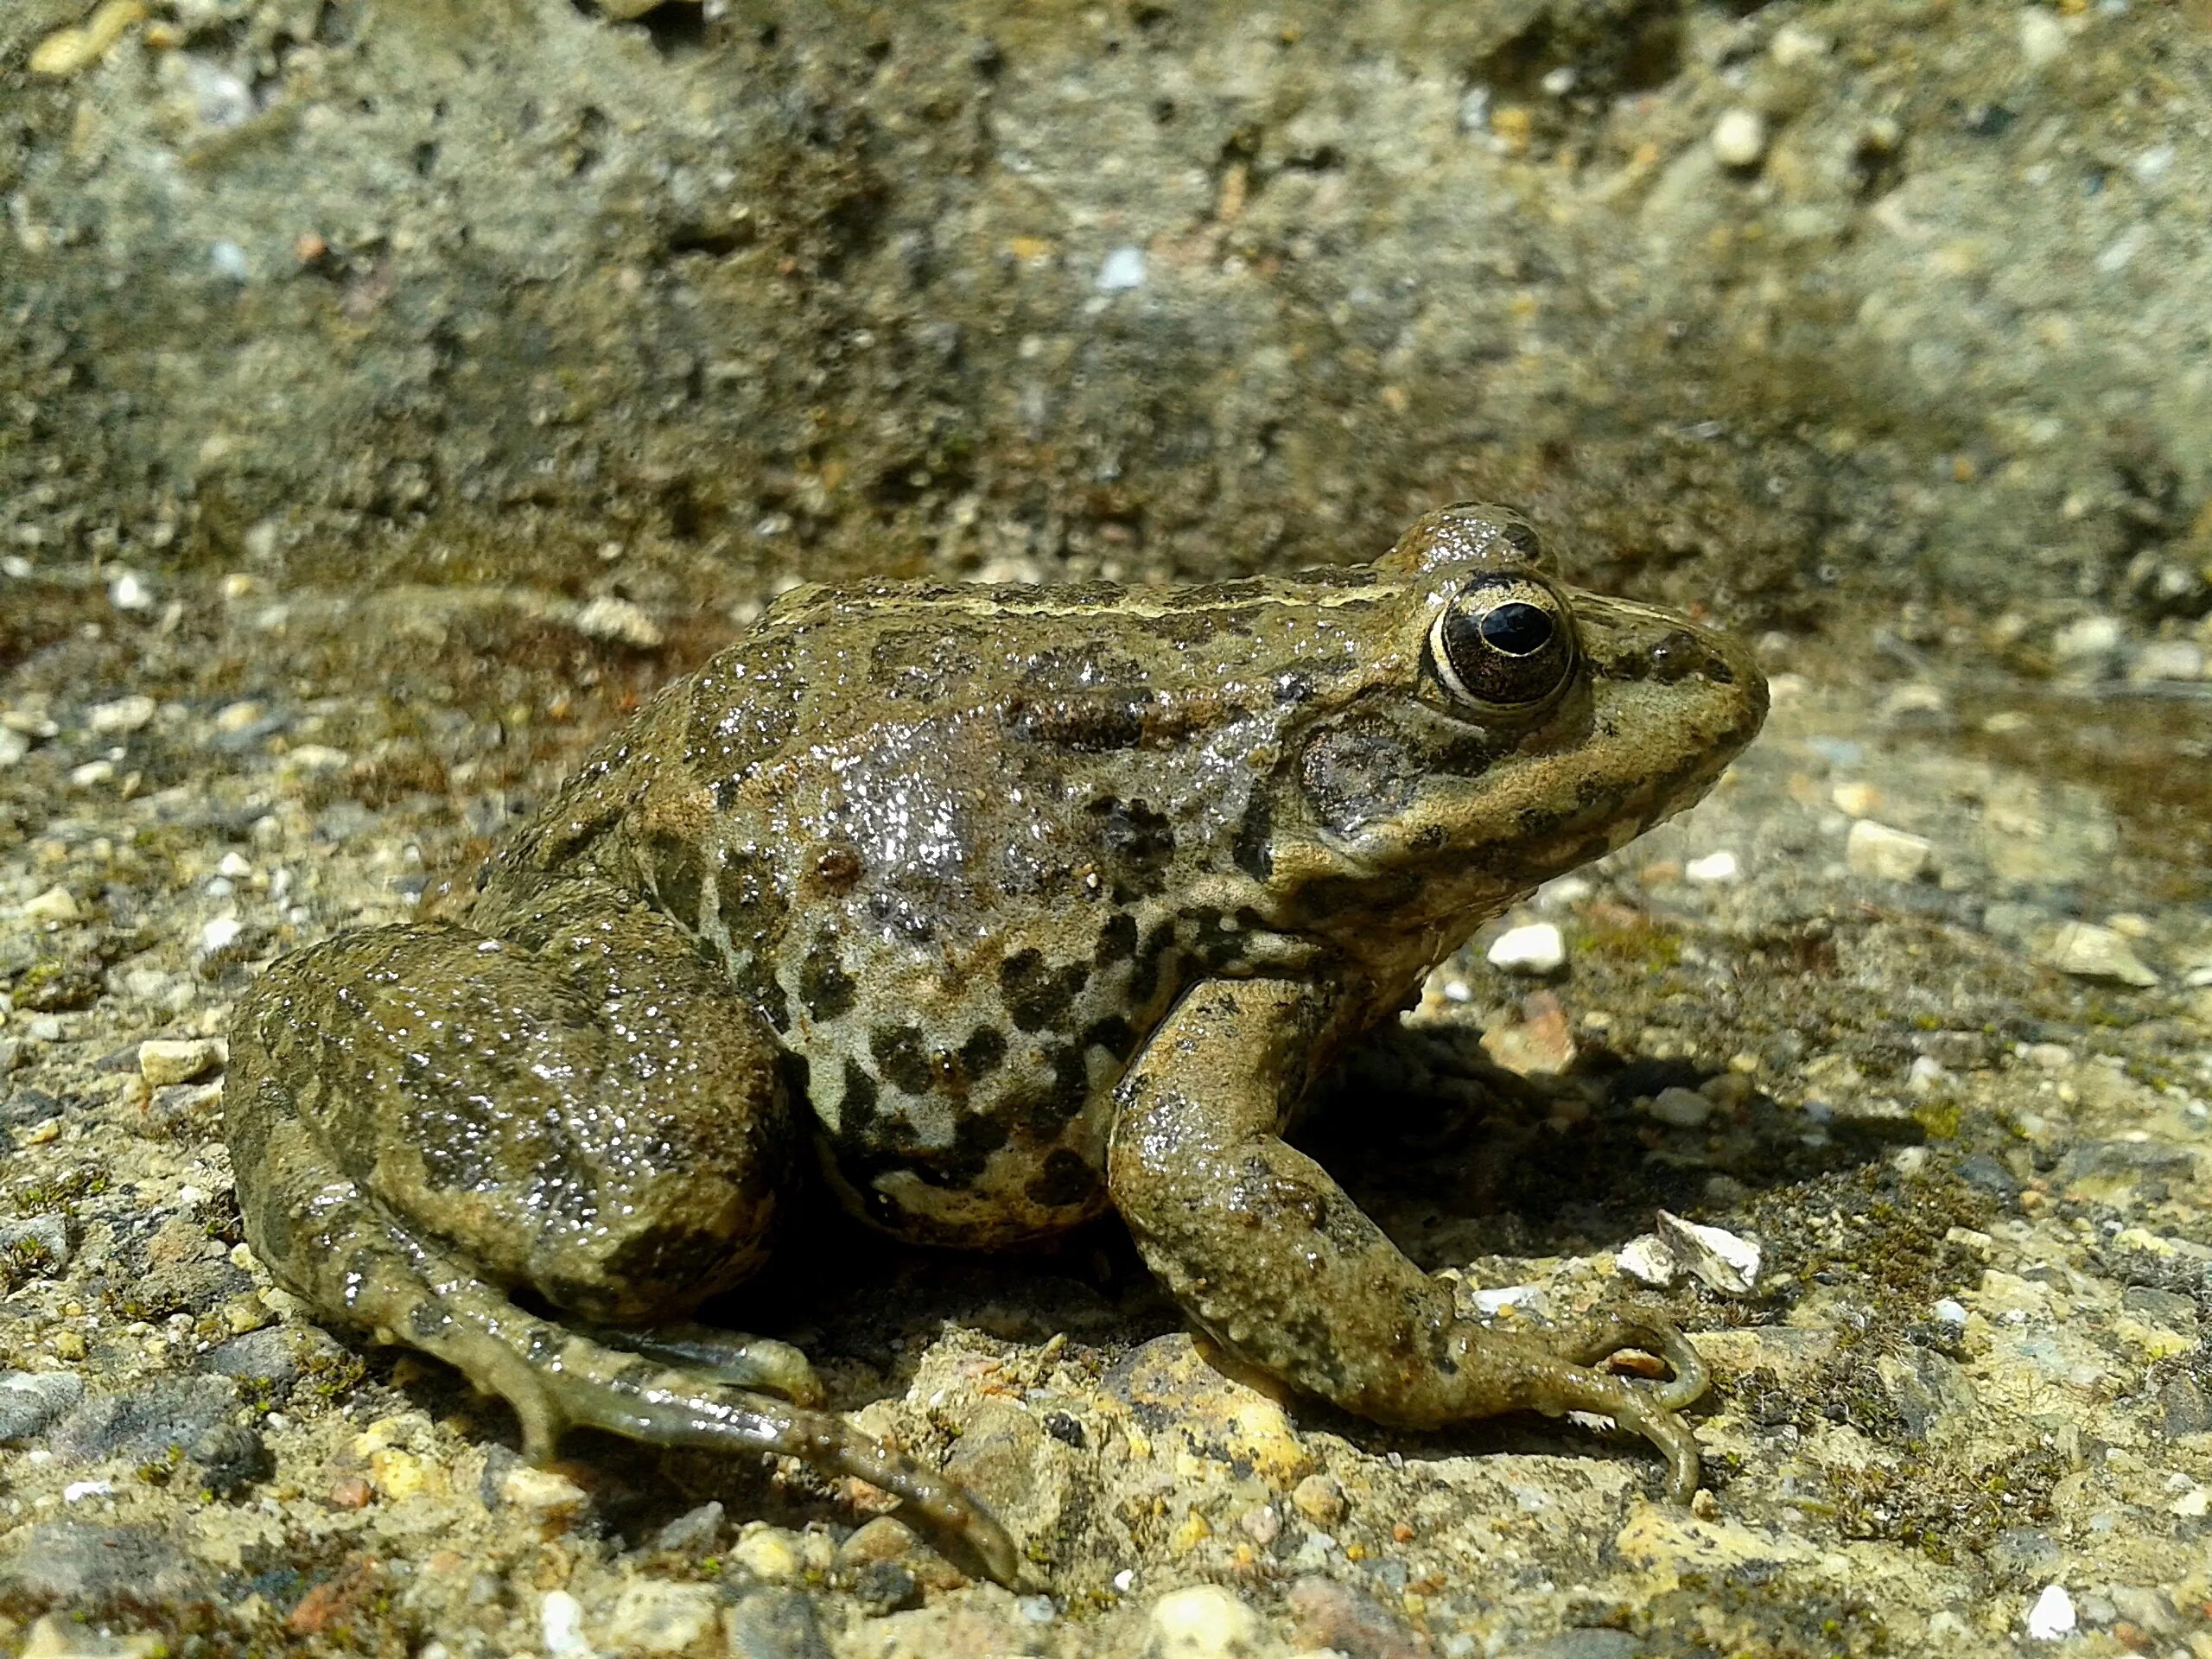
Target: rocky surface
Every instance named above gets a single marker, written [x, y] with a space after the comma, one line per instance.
[394, 395]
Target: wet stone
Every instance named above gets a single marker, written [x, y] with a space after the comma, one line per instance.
[96, 1569]
[277, 1357]
[30, 1400]
[774, 1624]
[2185, 1408]
[1326, 1614]
[143, 1422]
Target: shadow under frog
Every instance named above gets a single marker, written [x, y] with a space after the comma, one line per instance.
[999, 909]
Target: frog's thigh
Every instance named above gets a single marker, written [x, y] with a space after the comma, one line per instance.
[1266, 1251]
[598, 1117]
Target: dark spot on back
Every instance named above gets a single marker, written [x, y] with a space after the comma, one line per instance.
[1254, 850]
[982, 1053]
[857, 1107]
[1144, 976]
[1038, 995]
[1092, 723]
[1117, 940]
[678, 875]
[902, 1058]
[826, 988]
[1137, 844]
[1114, 1034]
[427, 1321]
[1065, 1182]
[911, 664]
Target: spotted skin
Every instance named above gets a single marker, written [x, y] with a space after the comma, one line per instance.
[1002, 906]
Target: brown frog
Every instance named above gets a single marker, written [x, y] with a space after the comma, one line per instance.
[1000, 908]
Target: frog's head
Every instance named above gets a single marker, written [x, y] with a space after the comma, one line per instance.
[1508, 729]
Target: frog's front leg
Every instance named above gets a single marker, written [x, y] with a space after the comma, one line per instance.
[1268, 1254]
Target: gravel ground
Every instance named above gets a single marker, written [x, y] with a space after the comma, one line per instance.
[391, 397]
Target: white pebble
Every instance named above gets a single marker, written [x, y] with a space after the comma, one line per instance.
[165, 1060]
[127, 591]
[93, 773]
[56, 904]
[2043, 38]
[2052, 1616]
[608, 618]
[219, 935]
[1646, 1258]
[1124, 268]
[1527, 1298]
[2088, 951]
[130, 713]
[77, 1491]
[14, 745]
[1204, 1622]
[228, 259]
[1873, 848]
[1950, 1311]
[2087, 637]
[1726, 1262]
[1535, 948]
[1740, 138]
[1713, 867]
[561, 1618]
[1792, 46]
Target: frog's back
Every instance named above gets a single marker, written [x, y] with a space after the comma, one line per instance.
[962, 846]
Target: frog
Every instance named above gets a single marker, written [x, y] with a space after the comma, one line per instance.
[984, 912]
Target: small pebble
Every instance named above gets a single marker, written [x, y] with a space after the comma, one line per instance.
[1950, 1311]
[219, 935]
[1713, 867]
[561, 1618]
[608, 618]
[655, 1616]
[1685, 1108]
[127, 591]
[1124, 268]
[56, 904]
[1857, 800]
[14, 745]
[2088, 641]
[768, 1552]
[1319, 1498]
[1875, 849]
[1535, 948]
[2085, 951]
[1204, 1622]
[164, 1060]
[125, 715]
[2052, 1617]
[1740, 138]
[2043, 39]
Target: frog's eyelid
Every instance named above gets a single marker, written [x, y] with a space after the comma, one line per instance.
[1440, 660]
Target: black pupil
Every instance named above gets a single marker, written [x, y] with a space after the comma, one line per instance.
[1517, 628]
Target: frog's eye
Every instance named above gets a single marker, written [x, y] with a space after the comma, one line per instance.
[1504, 642]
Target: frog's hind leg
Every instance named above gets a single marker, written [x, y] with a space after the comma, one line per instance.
[421, 1118]
[404, 1290]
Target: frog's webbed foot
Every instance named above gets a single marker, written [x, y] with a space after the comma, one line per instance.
[727, 1357]
[557, 1378]
[1646, 1409]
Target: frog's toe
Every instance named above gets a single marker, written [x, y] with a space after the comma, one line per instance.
[1614, 1334]
[729, 1357]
